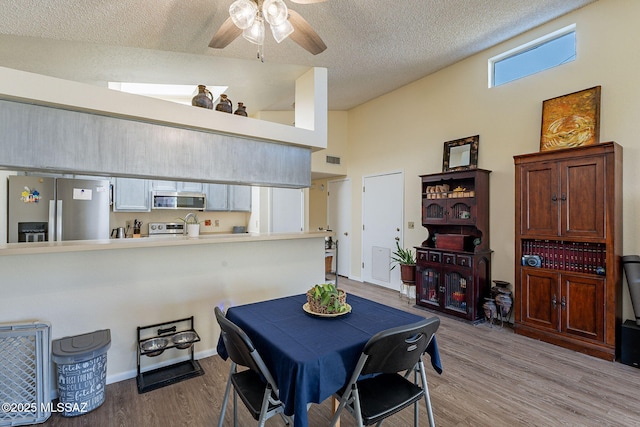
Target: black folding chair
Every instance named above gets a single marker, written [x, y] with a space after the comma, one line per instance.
[380, 385]
[255, 386]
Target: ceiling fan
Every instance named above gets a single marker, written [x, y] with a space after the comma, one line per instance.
[248, 17]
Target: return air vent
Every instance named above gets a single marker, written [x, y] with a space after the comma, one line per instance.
[333, 160]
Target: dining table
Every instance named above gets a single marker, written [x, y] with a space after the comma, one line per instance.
[311, 356]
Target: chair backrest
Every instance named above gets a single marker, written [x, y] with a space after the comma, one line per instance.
[400, 348]
[238, 344]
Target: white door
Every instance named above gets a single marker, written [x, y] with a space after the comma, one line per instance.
[339, 220]
[382, 217]
[286, 210]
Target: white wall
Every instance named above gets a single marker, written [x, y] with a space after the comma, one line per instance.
[406, 129]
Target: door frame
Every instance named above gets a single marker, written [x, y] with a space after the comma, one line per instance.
[341, 210]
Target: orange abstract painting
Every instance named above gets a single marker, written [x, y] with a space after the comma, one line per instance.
[571, 120]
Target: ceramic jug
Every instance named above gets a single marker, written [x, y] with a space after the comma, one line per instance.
[225, 104]
[241, 110]
[203, 98]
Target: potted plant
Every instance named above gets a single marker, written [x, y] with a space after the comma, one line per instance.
[326, 298]
[192, 223]
[407, 261]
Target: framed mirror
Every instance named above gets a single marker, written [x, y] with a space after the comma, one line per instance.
[461, 154]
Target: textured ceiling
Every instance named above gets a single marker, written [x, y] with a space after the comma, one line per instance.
[373, 46]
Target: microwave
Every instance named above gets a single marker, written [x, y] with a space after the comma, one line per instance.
[173, 200]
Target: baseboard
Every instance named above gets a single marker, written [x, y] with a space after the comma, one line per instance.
[122, 376]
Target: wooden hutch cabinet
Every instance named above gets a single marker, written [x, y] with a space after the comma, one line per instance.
[453, 266]
[568, 237]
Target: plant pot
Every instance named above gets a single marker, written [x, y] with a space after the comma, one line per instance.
[408, 272]
[193, 230]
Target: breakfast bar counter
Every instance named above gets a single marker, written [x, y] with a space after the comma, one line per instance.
[121, 284]
[149, 242]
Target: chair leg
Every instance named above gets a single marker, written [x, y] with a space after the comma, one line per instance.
[226, 396]
[287, 420]
[336, 415]
[265, 406]
[356, 406]
[343, 402]
[235, 408]
[427, 399]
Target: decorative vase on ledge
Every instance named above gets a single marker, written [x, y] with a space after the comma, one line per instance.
[203, 98]
[225, 105]
[241, 110]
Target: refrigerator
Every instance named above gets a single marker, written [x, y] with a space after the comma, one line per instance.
[44, 209]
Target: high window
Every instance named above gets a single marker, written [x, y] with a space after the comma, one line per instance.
[538, 55]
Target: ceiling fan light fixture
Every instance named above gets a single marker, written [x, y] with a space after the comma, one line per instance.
[275, 12]
[255, 33]
[282, 31]
[243, 13]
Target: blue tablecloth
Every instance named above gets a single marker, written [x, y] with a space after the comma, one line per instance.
[311, 357]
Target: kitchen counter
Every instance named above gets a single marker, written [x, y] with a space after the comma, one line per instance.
[149, 242]
[120, 284]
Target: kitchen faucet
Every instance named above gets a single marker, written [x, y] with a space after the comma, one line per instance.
[188, 216]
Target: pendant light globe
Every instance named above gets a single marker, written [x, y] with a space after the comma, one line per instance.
[243, 13]
[282, 31]
[255, 33]
[275, 12]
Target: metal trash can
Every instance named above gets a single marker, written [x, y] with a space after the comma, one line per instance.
[82, 371]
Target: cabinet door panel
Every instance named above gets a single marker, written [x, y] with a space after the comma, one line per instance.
[159, 185]
[462, 211]
[193, 187]
[539, 200]
[538, 293]
[240, 198]
[428, 284]
[131, 195]
[217, 197]
[583, 308]
[434, 211]
[582, 197]
[455, 281]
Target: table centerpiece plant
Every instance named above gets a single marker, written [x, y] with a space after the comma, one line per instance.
[327, 299]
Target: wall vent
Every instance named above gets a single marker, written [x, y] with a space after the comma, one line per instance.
[333, 160]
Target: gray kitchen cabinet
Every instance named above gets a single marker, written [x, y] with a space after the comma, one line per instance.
[159, 185]
[191, 187]
[181, 186]
[217, 197]
[240, 198]
[222, 197]
[131, 195]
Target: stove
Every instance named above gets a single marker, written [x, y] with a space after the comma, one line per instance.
[166, 229]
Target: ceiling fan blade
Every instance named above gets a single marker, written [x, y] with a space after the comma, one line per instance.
[307, 1]
[227, 33]
[304, 35]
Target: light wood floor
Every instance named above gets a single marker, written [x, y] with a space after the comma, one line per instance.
[491, 377]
